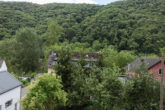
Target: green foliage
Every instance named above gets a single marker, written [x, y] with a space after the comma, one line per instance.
[15, 15]
[64, 67]
[97, 89]
[26, 82]
[81, 47]
[11, 20]
[88, 86]
[7, 51]
[53, 33]
[119, 31]
[22, 52]
[77, 94]
[27, 50]
[113, 57]
[129, 25]
[104, 88]
[45, 94]
[142, 93]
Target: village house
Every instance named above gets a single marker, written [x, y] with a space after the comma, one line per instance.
[152, 65]
[91, 58]
[10, 89]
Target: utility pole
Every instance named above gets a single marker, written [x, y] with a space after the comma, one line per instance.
[161, 83]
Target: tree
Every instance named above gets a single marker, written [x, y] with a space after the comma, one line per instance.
[142, 93]
[104, 88]
[53, 33]
[77, 95]
[6, 51]
[120, 59]
[99, 89]
[27, 50]
[23, 51]
[65, 67]
[45, 94]
[96, 45]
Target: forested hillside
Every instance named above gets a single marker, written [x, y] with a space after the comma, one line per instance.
[15, 15]
[129, 25]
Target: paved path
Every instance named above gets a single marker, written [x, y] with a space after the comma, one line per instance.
[24, 91]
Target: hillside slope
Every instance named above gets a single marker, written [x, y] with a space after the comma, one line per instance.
[15, 15]
[130, 25]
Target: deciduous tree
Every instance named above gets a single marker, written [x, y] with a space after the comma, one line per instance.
[46, 94]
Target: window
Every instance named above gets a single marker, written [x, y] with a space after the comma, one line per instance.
[15, 106]
[8, 103]
[160, 71]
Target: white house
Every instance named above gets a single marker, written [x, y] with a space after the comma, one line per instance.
[10, 89]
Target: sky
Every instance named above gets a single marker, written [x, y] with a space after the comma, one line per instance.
[101, 2]
[104, 2]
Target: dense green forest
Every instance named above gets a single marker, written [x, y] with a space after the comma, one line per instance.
[128, 25]
[16, 15]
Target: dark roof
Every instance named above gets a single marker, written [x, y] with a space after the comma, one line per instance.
[8, 82]
[1, 61]
[75, 57]
[148, 61]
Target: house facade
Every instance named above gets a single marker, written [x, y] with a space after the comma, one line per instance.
[10, 89]
[156, 69]
[91, 58]
[152, 65]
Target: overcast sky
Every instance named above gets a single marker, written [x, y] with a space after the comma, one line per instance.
[67, 1]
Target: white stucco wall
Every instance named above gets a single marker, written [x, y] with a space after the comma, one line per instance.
[13, 95]
[3, 67]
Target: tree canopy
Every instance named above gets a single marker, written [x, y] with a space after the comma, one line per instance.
[45, 94]
[129, 25]
[23, 51]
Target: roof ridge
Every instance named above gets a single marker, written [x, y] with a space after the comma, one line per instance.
[3, 71]
[10, 81]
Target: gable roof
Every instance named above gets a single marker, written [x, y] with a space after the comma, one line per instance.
[8, 82]
[136, 63]
[1, 62]
[75, 57]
